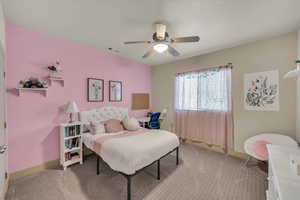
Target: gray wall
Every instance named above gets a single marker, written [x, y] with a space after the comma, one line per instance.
[298, 94]
[275, 53]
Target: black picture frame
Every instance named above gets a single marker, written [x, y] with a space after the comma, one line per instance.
[89, 85]
[115, 99]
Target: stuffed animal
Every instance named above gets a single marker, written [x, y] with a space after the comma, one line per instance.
[55, 68]
[55, 71]
[32, 83]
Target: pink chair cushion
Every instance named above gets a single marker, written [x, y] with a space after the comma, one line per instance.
[113, 125]
[260, 149]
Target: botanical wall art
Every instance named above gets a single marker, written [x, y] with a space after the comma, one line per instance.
[95, 90]
[261, 91]
[115, 91]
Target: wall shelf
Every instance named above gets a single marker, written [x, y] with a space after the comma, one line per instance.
[73, 149]
[20, 90]
[72, 137]
[62, 81]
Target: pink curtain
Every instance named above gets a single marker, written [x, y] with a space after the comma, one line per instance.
[204, 106]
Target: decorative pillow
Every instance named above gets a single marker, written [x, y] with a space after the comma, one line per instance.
[260, 149]
[113, 125]
[96, 128]
[130, 124]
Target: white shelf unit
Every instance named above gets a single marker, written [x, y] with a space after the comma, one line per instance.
[70, 144]
[52, 79]
[20, 90]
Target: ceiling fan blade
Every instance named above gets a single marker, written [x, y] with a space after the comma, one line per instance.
[138, 42]
[186, 39]
[173, 51]
[148, 53]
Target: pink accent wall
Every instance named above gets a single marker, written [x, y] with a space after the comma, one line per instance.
[33, 119]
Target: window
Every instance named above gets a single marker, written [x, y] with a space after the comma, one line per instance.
[203, 90]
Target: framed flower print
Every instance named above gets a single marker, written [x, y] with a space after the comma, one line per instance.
[115, 91]
[95, 90]
[261, 91]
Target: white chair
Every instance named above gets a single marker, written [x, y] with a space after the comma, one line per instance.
[163, 115]
[273, 138]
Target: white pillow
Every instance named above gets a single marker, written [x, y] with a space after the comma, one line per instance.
[131, 124]
[96, 128]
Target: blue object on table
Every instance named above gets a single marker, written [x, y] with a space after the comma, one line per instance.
[154, 122]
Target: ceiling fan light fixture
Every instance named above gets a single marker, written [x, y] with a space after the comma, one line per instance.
[160, 48]
[160, 31]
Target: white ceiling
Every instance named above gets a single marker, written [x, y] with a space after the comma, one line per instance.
[107, 23]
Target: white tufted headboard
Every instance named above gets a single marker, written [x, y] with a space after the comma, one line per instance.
[103, 114]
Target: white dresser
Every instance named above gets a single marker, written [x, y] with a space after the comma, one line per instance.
[283, 183]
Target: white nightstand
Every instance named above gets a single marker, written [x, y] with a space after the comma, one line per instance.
[70, 144]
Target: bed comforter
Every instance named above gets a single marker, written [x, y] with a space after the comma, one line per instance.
[128, 151]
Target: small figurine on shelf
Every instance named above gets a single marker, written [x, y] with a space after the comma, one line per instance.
[55, 71]
[32, 83]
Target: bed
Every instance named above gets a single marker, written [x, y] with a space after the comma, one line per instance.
[127, 152]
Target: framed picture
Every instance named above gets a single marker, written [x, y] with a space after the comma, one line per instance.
[115, 91]
[261, 91]
[95, 90]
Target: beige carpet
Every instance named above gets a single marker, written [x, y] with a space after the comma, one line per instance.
[202, 175]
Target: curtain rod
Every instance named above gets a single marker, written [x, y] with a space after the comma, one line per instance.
[228, 65]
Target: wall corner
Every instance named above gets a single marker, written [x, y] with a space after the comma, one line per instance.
[298, 94]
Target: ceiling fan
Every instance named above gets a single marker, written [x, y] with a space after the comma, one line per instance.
[161, 41]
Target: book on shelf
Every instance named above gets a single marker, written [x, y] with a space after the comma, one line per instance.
[67, 156]
[72, 143]
[71, 155]
[78, 129]
[72, 131]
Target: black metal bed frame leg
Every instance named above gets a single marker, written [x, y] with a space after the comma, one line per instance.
[128, 187]
[177, 155]
[128, 177]
[158, 169]
[98, 165]
[83, 157]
